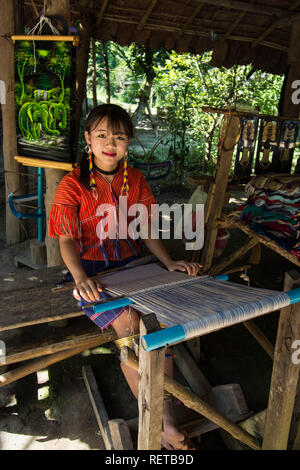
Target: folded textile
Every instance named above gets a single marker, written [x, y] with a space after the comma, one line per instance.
[275, 213]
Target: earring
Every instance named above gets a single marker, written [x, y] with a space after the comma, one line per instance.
[91, 171]
[125, 187]
[87, 149]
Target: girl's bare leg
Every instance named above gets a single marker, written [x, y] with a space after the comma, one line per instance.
[125, 325]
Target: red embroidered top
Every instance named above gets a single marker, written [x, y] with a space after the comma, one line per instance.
[78, 214]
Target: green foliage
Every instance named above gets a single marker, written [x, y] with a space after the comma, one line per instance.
[179, 86]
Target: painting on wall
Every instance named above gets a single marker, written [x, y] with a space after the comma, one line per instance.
[45, 98]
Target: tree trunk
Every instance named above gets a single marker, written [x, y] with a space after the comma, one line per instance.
[94, 74]
[86, 29]
[107, 72]
[145, 92]
[12, 180]
[53, 177]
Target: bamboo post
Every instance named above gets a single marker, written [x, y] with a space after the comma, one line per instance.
[191, 400]
[37, 350]
[12, 178]
[221, 181]
[150, 398]
[42, 363]
[285, 375]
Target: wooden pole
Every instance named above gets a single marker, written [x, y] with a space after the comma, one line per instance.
[98, 406]
[237, 255]
[150, 399]
[284, 376]
[191, 400]
[221, 181]
[260, 337]
[53, 176]
[7, 76]
[289, 108]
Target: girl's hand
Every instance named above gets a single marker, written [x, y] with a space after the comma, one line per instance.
[191, 268]
[88, 289]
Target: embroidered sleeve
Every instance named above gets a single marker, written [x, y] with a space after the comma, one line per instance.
[63, 217]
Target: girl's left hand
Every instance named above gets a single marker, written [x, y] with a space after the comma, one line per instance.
[191, 268]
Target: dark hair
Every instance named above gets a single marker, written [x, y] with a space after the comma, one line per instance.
[116, 116]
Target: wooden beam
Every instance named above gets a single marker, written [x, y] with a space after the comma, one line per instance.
[147, 14]
[38, 364]
[27, 352]
[98, 406]
[190, 371]
[284, 375]
[226, 222]
[35, 10]
[276, 24]
[37, 163]
[235, 256]
[235, 23]
[101, 12]
[260, 337]
[120, 434]
[245, 6]
[190, 20]
[151, 387]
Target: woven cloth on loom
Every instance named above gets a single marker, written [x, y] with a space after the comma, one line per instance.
[274, 209]
[199, 304]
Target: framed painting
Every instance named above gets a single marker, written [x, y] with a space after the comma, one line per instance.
[45, 68]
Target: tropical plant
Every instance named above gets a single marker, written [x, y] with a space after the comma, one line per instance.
[25, 63]
[60, 63]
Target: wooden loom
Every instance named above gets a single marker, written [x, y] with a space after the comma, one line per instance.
[188, 306]
[152, 346]
[150, 363]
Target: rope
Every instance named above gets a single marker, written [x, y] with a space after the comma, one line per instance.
[128, 340]
[42, 21]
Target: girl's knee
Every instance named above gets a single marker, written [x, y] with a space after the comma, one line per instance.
[127, 323]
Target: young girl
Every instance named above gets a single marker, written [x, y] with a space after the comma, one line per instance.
[77, 219]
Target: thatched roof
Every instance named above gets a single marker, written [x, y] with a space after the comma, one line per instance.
[238, 31]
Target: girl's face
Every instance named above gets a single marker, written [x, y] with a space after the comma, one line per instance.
[108, 147]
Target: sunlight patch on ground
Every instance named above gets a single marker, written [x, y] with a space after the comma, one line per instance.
[100, 350]
[43, 393]
[42, 376]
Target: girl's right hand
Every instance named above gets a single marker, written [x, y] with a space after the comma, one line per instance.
[87, 289]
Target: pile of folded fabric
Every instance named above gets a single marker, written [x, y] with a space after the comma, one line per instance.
[273, 209]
